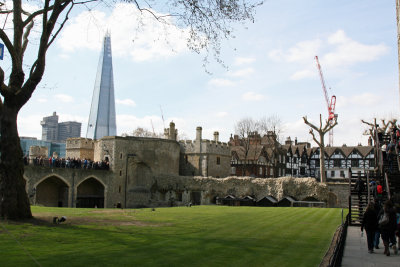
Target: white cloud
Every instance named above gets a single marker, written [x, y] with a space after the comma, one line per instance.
[42, 100]
[221, 82]
[251, 96]
[298, 75]
[126, 102]
[336, 51]
[243, 60]
[222, 114]
[365, 99]
[349, 52]
[134, 34]
[64, 98]
[241, 72]
[29, 126]
[302, 51]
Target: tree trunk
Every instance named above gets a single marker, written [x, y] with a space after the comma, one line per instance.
[14, 201]
[322, 159]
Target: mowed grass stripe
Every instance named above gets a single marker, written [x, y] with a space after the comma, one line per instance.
[180, 236]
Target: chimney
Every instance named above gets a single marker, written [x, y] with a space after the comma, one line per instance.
[198, 133]
[295, 141]
[172, 132]
[370, 141]
[216, 136]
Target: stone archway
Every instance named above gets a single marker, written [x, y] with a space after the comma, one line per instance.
[52, 192]
[90, 194]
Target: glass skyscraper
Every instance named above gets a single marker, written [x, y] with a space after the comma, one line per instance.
[102, 112]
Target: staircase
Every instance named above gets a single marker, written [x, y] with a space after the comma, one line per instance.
[388, 177]
[358, 203]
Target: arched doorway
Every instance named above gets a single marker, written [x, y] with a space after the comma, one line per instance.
[90, 194]
[52, 192]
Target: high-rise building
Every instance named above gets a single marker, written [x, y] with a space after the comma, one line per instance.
[69, 129]
[102, 112]
[50, 128]
[53, 131]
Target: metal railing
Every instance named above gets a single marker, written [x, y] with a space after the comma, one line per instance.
[334, 255]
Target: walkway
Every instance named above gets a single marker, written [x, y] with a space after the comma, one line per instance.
[356, 252]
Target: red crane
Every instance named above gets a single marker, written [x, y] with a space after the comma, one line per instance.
[330, 104]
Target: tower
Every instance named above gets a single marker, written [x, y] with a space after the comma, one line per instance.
[102, 111]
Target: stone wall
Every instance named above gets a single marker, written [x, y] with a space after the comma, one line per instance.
[81, 148]
[338, 195]
[299, 188]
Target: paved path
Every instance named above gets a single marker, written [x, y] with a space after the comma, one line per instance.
[356, 252]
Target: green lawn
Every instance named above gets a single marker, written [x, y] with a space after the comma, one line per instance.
[181, 236]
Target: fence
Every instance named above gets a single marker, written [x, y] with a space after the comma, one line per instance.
[334, 255]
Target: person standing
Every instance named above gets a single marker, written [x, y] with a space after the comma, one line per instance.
[388, 225]
[370, 224]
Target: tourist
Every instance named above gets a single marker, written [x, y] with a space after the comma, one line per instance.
[370, 224]
[387, 225]
[378, 211]
[379, 193]
[360, 186]
[390, 153]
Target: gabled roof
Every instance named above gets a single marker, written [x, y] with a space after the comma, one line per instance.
[254, 153]
[364, 150]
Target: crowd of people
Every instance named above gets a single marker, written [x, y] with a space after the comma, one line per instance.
[75, 163]
[381, 222]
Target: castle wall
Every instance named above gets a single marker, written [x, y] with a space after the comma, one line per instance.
[81, 148]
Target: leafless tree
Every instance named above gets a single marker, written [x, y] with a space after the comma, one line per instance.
[208, 21]
[245, 129]
[142, 132]
[271, 123]
[321, 130]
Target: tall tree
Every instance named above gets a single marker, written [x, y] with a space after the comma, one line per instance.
[245, 129]
[321, 130]
[208, 21]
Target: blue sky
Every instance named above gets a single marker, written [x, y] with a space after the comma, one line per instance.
[271, 71]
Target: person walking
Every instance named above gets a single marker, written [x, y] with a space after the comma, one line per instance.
[370, 224]
[378, 211]
[388, 225]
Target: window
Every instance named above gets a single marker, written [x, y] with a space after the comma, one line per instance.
[218, 160]
[354, 163]
[120, 156]
[186, 159]
[302, 171]
[303, 159]
[371, 163]
[119, 189]
[317, 163]
[271, 172]
[260, 171]
[120, 173]
[336, 163]
[332, 174]
[294, 172]
[342, 174]
[295, 160]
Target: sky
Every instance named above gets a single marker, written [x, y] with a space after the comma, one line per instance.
[271, 71]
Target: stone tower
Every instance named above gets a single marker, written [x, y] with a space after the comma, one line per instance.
[102, 112]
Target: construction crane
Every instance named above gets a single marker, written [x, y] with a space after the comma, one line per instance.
[330, 104]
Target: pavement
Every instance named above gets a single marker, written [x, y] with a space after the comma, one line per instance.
[356, 252]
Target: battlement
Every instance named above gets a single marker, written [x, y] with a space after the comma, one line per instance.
[206, 146]
[79, 143]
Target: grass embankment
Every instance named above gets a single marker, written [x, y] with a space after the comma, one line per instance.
[196, 236]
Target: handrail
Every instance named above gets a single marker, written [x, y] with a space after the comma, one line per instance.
[368, 188]
[387, 185]
[378, 150]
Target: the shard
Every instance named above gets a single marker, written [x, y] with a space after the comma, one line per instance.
[102, 112]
